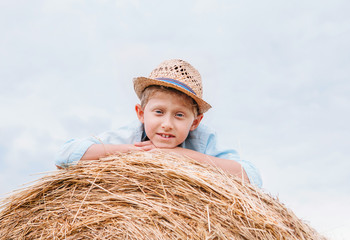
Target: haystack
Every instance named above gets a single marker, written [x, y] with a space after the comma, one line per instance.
[145, 195]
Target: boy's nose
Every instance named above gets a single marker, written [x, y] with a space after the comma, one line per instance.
[166, 124]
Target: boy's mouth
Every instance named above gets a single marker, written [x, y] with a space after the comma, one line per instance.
[165, 135]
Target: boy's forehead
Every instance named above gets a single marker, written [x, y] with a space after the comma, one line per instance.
[159, 97]
[170, 94]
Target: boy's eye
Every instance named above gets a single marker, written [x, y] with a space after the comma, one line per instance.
[180, 115]
[158, 111]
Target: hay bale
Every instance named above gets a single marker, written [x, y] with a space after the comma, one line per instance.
[145, 195]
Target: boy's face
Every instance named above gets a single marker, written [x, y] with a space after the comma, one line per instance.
[167, 119]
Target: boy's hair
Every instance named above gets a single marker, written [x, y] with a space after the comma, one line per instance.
[151, 90]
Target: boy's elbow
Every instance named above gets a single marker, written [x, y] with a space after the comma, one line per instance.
[245, 176]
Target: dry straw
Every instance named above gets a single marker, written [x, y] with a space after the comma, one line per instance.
[145, 195]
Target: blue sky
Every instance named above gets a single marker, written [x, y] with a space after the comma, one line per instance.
[276, 73]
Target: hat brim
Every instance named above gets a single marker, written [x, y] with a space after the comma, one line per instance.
[140, 83]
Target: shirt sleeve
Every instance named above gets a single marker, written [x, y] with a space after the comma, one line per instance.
[211, 148]
[73, 150]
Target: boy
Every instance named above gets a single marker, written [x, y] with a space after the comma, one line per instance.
[169, 116]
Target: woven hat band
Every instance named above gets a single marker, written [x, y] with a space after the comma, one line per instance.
[177, 83]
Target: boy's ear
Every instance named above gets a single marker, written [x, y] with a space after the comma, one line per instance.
[196, 122]
[139, 113]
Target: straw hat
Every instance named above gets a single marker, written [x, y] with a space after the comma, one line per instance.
[178, 74]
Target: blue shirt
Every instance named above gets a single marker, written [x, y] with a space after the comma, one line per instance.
[202, 139]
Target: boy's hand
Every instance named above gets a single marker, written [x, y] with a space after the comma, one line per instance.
[145, 146]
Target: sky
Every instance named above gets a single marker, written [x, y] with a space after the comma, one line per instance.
[275, 72]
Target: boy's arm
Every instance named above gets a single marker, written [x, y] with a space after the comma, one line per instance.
[73, 150]
[95, 151]
[229, 166]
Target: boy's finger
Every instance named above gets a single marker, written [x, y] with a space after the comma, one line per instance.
[147, 148]
[141, 148]
[140, 144]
